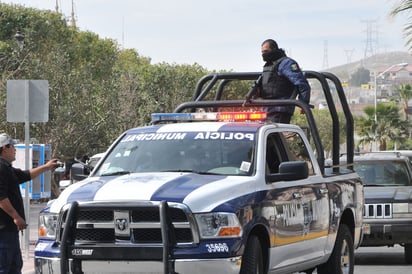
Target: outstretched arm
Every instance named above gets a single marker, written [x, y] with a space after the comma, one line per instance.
[35, 172]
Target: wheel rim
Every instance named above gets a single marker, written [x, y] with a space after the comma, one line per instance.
[257, 269]
[258, 266]
[345, 258]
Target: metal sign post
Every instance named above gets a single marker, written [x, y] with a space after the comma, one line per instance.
[27, 162]
[33, 96]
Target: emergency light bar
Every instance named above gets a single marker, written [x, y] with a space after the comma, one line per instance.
[227, 116]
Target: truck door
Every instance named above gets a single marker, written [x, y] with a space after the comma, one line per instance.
[300, 223]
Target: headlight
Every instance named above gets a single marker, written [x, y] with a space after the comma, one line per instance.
[218, 224]
[48, 225]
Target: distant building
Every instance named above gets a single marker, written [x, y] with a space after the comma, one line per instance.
[388, 78]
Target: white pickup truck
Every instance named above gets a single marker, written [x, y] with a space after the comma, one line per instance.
[201, 191]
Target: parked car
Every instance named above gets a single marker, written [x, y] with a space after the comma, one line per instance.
[407, 153]
[387, 178]
[92, 162]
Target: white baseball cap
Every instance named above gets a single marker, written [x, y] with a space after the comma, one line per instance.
[6, 140]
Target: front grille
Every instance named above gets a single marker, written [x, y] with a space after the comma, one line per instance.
[133, 224]
[378, 211]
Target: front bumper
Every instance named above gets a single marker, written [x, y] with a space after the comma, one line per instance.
[382, 233]
[182, 266]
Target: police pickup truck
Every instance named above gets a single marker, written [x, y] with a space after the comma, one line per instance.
[211, 188]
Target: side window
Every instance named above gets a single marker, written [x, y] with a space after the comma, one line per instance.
[296, 149]
[273, 157]
[285, 146]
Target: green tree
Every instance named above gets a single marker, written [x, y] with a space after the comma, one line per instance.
[387, 127]
[405, 94]
[360, 76]
[324, 124]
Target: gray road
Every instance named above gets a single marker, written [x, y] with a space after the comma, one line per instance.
[381, 260]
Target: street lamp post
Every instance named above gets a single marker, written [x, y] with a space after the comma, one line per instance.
[376, 91]
[376, 82]
[20, 39]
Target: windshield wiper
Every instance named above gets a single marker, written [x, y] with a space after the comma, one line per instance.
[179, 170]
[191, 171]
[123, 172]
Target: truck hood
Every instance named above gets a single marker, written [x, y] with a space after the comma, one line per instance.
[386, 194]
[199, 192]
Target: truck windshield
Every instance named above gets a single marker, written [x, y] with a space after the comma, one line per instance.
[224, 154]
[383, 173]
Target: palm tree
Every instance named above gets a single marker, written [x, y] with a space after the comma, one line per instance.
[405, 93]
[387, 127]
[404, 6]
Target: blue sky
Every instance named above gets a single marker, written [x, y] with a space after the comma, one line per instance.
[226, 34]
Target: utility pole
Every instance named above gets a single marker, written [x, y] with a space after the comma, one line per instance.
[369, 50]
[325, 55]
[73, 19]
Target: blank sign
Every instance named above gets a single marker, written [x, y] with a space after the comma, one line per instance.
[38, 96]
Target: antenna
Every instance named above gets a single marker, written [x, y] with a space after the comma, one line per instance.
[73, 19]
[325, 55]
[123, 32]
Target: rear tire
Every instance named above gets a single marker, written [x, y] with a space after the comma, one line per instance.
[408, 253]
[342, 259]
[252, 259]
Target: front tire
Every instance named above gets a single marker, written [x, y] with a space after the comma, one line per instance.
[252, 260]
[342, 259]
[408, 253]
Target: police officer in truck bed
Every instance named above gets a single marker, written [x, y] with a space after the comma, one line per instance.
[281, 79]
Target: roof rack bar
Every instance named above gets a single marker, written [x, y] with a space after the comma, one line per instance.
[202, 90]
[333, 113]
[348, 116]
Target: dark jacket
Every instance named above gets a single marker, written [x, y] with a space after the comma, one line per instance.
[10, 180]
[283, 79]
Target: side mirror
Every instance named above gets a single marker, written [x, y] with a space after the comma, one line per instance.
[79, 171]
[64, 183]
[60, 170]
[290, 171]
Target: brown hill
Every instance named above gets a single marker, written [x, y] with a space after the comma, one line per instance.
[375, 62]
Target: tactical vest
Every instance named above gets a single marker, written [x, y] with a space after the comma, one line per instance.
[275, 86]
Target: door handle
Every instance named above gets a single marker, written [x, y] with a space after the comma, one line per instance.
[296, 195]
[323, 191]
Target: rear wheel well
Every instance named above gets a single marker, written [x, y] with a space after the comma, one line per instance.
[348, 219]
[261, 232]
